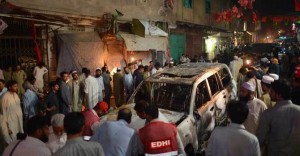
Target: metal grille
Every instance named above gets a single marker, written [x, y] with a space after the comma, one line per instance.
[17, 46]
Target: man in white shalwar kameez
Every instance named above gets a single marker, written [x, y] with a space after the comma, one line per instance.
[234, 68]
[75, 91]
[91, 90]
[10, 109]
[100, 83]
[38, 73]
[255, 105]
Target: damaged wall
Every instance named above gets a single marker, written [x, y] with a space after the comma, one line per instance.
[141, 9]
[79, 50]
[152, 10]
[116, 57]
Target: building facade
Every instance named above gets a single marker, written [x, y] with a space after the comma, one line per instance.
[187, 25]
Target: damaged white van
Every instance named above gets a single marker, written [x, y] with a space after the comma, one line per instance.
[193, 96]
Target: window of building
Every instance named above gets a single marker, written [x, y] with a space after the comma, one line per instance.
[208, 6]
[17, 46]
[188, 3]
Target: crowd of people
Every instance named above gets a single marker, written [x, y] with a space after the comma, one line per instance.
[71, 92]
[265, 120]
[65, 119]
[256, 129]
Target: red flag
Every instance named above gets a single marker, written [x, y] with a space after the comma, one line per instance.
[297, 5]
[37, 48]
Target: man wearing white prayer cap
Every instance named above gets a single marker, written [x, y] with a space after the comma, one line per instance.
[251, 75]
[256, 106]
[266, 86]
[249, 86]
[274, 76]
[76, 91]
[267, 79]
[57, 135]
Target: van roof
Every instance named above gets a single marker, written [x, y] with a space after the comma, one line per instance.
[185, 73]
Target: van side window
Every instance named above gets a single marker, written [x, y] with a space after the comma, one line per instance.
[225, 77]
[213, 84]
[202, 95]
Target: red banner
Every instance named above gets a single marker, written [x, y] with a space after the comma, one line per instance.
[297, 5]
[37, 48]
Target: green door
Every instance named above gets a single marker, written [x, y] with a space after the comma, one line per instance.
[177, 43]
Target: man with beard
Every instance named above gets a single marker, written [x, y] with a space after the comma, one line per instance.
[251, 76]
[11, 113]
[76, 146]
[34, 143]
[256, 106]
[279, 127]
[75, 90]
[57, 135]
[266, 85]
[100, 83]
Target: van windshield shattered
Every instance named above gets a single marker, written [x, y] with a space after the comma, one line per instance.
[175, 97]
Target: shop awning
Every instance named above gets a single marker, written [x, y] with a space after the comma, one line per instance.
[144, 28]
[137, 43]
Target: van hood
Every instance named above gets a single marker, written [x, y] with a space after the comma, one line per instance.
[137, 122]
[172, 116]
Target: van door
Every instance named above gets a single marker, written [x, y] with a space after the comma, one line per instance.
[227, 83]
[219, 96]
[205, 108]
